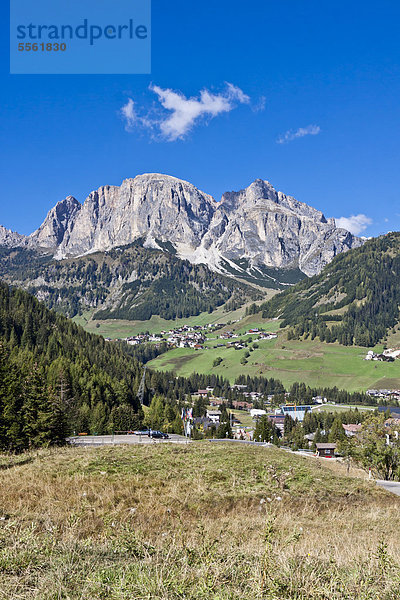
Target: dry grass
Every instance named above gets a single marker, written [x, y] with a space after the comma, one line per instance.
[200, 522]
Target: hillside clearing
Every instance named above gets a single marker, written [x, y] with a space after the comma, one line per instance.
[315, 363]
[115, 328]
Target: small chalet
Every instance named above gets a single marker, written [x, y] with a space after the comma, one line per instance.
[241, 405]
[352, 429]
[326, 450]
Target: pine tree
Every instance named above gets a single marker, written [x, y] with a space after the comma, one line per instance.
[336, 432]
[37, 413]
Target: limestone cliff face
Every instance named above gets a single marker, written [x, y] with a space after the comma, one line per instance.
[154, 207]
[57, 224]
[258, 224]
[269, 228]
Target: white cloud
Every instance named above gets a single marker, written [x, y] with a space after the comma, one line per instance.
[260, 105]
[235, 93]
[128, 113]
[292, 134]
[132, 119]
[183, 112]
[355, 224]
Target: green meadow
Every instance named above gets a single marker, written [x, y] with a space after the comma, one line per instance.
[315, 363]
[114, 328]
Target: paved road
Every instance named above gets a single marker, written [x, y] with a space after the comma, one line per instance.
[390, 486]
[109, 440]
[239, 441]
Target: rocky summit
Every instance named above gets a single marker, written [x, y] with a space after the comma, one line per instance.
[252, 229]
[10, 239]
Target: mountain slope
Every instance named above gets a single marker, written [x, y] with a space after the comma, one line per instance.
[253, 233]
[354, 300]
[125, 283]
[55, 377]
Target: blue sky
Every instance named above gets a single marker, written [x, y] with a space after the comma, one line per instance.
[314, 108]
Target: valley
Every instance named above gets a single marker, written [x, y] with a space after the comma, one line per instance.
[313, 362]
[200, 301]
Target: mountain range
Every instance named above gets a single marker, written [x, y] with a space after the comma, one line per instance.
[257, 233]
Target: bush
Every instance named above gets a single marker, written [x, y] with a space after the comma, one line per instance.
[217, 361]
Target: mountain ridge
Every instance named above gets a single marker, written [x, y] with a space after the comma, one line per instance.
[258, 225]
[131, 282]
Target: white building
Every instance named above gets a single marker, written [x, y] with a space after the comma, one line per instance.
[256, 413]
[214, 416]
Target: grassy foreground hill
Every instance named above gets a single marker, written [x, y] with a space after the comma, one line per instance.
[204, 521]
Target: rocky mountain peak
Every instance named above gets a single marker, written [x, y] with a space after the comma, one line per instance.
[151, 206]
[10, 239]
[58, 220]
[268, 228]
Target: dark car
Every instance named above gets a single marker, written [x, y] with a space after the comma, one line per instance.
[142, 432]
[159, 435]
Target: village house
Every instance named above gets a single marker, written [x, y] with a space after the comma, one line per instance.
[325, 450]
[216, 401]
[256, 413]
[319, 400]
[242, 405]
[382, 357]
[214, 416]
[352, 429]
[278, 420]
[267, 336]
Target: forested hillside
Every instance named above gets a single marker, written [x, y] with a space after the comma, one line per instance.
[55, 377]
[125, 283]
[354, 300]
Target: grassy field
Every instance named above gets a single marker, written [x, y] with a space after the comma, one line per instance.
[119, 329]
[114, 328]
[205, 521]
[316, 364]
[244, 417]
